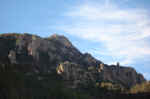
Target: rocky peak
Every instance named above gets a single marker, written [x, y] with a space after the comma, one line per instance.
[62, 39]
[45, 54]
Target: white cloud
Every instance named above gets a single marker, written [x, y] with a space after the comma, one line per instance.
[122, 31]
[147, 75]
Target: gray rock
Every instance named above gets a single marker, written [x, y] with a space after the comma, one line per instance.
[45, 54]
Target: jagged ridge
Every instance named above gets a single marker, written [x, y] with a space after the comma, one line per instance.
[45, 55]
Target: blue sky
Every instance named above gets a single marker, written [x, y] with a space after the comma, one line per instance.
[111, 30]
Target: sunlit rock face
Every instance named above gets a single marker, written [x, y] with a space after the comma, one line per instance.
[56, 53]
[75, 75]
[126, 76]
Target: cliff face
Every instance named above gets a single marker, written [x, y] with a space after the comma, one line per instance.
[27, 49]
[46, 54]
[126, 76]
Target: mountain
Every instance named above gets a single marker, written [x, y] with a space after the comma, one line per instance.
[31, 49]
[48, 61]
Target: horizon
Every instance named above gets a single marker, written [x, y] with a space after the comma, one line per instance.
[120, 34]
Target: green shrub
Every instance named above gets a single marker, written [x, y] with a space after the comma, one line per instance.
[90, 68]
[110, 86]
[18, 41]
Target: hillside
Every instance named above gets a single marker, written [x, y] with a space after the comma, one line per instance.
[32, 67]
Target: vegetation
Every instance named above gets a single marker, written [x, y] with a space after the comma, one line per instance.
[141, 88]
[39, 79]
[11, 34]
[91, 68]
[33, 37]
[109, 86]
[15, 84]
[18, 41]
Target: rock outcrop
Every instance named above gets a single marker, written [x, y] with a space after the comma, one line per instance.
[75, 76]
[47, 54]
[126, 76]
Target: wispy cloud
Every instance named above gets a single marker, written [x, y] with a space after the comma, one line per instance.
[147, 75]
[122, 31]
